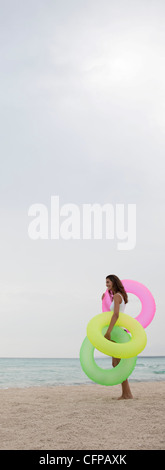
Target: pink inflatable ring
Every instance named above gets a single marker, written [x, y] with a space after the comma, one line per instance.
[144, 295]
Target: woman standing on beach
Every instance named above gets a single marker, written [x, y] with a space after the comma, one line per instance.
[120, 299]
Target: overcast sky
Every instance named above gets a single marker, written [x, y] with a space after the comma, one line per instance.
[82, 117]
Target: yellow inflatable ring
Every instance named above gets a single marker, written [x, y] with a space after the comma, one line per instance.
[131, 348]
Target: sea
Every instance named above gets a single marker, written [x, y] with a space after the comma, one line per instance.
[30, 372]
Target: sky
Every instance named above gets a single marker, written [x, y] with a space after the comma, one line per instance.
[82, 117]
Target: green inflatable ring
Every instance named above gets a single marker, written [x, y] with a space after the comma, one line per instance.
[110, 376]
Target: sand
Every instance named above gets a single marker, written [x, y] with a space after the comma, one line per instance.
[83, 417]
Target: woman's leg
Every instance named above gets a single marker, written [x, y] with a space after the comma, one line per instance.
[115, 361]
[126, 392]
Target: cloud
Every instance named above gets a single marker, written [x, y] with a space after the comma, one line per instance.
[82, 117]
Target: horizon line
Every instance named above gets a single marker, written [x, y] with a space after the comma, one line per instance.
[41, 357]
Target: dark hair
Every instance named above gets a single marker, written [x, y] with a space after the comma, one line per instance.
[117, 286]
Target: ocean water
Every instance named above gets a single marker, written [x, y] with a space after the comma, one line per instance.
[24, 372]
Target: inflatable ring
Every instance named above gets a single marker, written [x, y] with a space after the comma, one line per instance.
[146, 298]
[132, 346]
[106, 376]
[136, 344]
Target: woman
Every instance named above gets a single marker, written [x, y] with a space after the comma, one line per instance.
[120, 299]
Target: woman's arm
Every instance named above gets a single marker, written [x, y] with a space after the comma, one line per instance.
[115, 316]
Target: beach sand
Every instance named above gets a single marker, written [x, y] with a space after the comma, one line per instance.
[83, 417]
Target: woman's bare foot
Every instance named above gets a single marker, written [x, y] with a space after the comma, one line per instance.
[126, 397]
